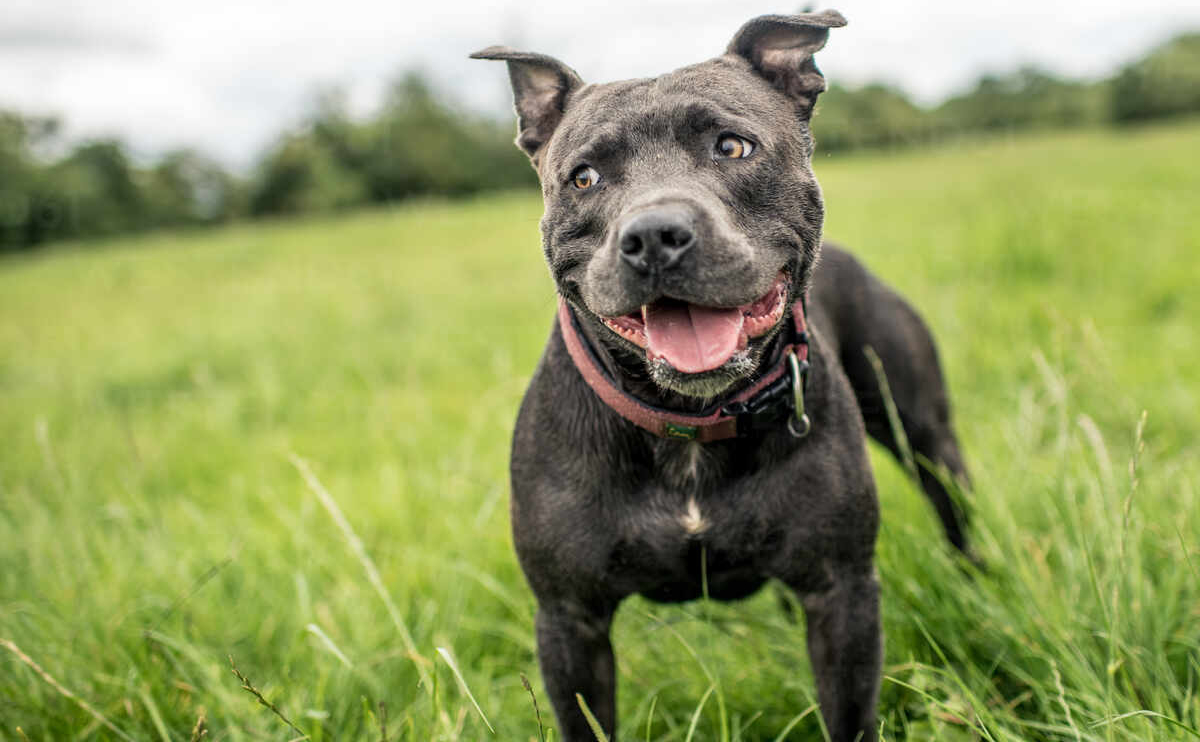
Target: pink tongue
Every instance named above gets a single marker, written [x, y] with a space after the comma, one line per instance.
[692, 338]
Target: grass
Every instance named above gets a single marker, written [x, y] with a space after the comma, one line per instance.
[285, 446]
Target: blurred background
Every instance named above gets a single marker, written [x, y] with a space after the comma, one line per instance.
[130, 115]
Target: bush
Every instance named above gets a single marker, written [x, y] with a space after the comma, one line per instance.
[1027, 98]
[96, 191]
[871, 116]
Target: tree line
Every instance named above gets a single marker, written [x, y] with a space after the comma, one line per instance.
[419, 144]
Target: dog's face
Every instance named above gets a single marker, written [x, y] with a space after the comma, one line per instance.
[681, 211]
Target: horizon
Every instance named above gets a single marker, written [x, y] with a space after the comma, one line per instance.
[232, 100]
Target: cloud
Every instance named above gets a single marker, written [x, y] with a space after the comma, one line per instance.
[64, 39]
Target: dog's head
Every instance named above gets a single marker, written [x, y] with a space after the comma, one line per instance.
[682, 214]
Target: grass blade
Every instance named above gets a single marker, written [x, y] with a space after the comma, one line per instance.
[536, 711]
[795, 720]
[650, 716]
[462, 684]
[316, 631]
[591, 719]
[696, 713]
[63, 691]
[360, 551]
[262, 700]
[155, 716]
[1153, 715]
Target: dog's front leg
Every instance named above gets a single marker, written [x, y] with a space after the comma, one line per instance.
[845, 646]
[577, 657]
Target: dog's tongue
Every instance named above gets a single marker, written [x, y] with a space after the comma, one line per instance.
[691, 338]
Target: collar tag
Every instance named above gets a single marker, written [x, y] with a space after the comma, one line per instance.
[680, 432]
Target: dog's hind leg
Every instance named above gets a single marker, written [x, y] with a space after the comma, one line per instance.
[884, 346]
[934, 453]
[925, 442]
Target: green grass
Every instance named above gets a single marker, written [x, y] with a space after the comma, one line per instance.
[153, 521]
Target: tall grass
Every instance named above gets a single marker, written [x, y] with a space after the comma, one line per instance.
[287, 444]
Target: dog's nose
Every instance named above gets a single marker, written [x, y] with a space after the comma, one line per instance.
[656, 239]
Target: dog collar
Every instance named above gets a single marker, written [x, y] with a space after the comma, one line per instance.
[777, 396]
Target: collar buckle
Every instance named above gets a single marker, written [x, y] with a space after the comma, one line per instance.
[798, 424]
[775, 404]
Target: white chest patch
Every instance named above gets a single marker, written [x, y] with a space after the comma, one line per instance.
[693, 520]
[694, 455]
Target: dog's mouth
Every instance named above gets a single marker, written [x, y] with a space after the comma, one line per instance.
[692, 338]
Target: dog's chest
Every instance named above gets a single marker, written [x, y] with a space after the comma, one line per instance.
[689, 530]
[684, 480]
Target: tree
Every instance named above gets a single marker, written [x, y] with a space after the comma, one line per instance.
[1164, 83]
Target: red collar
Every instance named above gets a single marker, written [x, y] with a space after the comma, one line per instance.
[776, 396]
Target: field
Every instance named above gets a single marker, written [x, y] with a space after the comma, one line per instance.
[285, 445]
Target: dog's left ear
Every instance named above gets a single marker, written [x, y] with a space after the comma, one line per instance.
[540, 87]
[781, 48]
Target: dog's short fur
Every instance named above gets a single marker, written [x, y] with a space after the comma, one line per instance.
[601, 508]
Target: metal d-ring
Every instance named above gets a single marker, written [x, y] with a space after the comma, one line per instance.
[798, 425]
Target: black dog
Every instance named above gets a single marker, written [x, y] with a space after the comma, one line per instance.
[706, 388]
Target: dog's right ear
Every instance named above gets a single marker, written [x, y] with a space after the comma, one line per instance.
[540, 87]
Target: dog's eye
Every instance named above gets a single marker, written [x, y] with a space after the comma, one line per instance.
[584, 177]
[733, 147]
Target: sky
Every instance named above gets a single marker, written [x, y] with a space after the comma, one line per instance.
[227, 76]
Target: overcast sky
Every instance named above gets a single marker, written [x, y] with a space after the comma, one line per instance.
[226, 75]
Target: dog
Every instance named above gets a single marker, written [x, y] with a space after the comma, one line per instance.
[708, 385]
